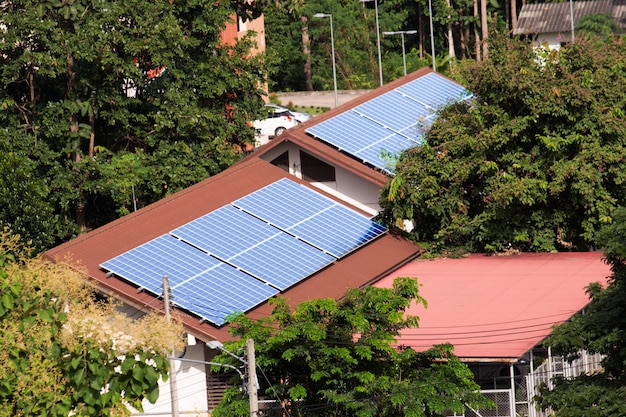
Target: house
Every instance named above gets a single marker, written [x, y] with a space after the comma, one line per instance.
[294, 219]
[551, 23]
[496, 311]
[303, 166]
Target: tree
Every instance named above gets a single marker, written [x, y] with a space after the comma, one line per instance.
[533, 162]
[86, 85]
[66, 352]
[341, 359]
[601, 328]
[597, 24]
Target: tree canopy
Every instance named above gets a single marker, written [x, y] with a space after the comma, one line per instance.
[341, 359]
[601, 328]
[63, 351]
[533, 162]
[107, 106]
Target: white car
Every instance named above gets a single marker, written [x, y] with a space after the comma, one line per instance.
[300, 116]
[278, 120]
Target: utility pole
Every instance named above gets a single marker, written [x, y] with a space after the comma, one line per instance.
[252, 381]
[173, 390]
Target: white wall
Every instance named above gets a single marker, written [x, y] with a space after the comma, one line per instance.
[191, 388]
[348, 187]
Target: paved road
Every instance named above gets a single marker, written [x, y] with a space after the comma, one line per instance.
[318, 98]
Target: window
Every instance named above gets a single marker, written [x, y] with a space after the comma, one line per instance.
[282, 161]
[315, 170]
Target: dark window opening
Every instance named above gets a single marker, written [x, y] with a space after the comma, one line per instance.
[315, 170]
[282, 161]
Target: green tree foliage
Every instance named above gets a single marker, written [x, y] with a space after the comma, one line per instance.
[600, 329]
[598, 24]
[534, 162]
[147, 88]
[64, 353]
[341, 359]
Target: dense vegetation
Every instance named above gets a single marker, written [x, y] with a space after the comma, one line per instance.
[341, 359]
[535, 162]
[107, 106]
[65, 352]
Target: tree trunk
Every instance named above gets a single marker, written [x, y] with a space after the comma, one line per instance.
[451, 52]
[70, 94]
[306, 50]
[483, 26]
[513, 15]
[476, 35]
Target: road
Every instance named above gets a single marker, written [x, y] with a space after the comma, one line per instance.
[318, 98]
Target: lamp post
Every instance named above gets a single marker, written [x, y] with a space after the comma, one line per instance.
[380, 66]
[432, 35]
[402, 33]
[332, 48]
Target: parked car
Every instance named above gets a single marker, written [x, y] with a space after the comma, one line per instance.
[300, 116]
[278, 120]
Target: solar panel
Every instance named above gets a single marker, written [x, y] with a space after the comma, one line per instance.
[146, 265]
[282, 261]
[217, 293]
[225, 232]
[312, 217]
[239, 255]
[378, 126]
[352, 133]
[395, 110]
[338, 230]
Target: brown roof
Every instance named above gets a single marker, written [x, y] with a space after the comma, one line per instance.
[91, 249]
[298, 135]
[556, 17]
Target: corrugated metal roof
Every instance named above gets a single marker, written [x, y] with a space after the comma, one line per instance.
[556, 17]
[496, 308]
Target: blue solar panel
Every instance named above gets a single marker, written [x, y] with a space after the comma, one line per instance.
[352, 133]
[398, 112]
[283, 203]
[282, 261]
[239, 255]
[146, 265]
[377, 127]
[217, 292]
[225, 232]
[338, 230]
[311, 217]
[384, 153]
[434, 90]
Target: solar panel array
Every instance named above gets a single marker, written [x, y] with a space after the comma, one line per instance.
[238, 256]
[380, 129]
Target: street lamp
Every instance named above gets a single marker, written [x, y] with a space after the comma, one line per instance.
[432, 35]
[380, 66]
[402, 33]
[332, 48]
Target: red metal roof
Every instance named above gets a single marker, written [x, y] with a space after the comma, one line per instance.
[368, 263]
[497, 308]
